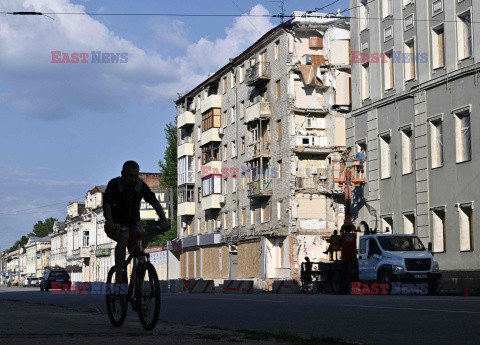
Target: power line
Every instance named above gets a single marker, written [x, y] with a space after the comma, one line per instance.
[146, 14]
[35, 208]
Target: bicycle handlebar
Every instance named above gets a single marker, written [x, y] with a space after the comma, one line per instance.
[125, 228]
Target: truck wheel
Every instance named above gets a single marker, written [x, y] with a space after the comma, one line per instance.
[384, 277]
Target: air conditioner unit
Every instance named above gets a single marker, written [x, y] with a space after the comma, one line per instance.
[222, 199]
[307, 59]
[221, 131]
[219, 224]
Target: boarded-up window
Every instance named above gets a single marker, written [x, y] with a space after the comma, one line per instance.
[224, 85]
[211, 119]
[278, 90]
[365, 81]
[244, 216]
[277, 50]
[388, 70]
[407, 148]
[252, 216]
[463, 136]
[438, 227]
[315, 42]
[279, 163]
[279, 209]
[464, 36]
[242, 73]
[385, 156]
[225, 220]
[243, 145]
[386, 8]
[410, 61]
[438, 43]
[234, 219]
[436, 143]
[265, 213]
[363, 15]
[466, 227]
[279, 129]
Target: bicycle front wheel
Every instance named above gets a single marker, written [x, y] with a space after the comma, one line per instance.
[147, 295]
[116, 303]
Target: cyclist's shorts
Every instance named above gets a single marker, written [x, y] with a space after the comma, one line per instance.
[132, 240]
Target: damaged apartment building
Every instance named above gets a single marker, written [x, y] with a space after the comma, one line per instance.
[255, 144]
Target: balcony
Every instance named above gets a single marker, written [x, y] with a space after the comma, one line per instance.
[261, 187]
[258, 149]
[186, 118]
[258, 111]
[185, 149]
[211, 201]
[209, 135]
[258, 73]
[211, 168]
[316, 183]
[212, 101]
[85, 252]
[186, 209]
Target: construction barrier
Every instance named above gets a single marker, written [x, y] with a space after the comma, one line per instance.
[238, 286]
[285, 286]
[202, 286]
[179, 285]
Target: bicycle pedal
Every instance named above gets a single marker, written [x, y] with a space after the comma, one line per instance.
[145, 310]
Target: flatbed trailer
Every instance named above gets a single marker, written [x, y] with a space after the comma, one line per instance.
[336, 274]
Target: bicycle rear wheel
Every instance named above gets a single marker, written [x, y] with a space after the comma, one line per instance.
[116, 303]
[147, 295]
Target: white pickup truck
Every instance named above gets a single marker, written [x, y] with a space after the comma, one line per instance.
[384, 258]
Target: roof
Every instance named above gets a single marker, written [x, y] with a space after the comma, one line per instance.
[35, 239]
[98, 189]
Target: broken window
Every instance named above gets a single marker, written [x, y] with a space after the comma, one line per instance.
[365, 81]
[438, 44]
[407, 147]
[436, 143]
[210, 152]
[466, 226]
[388, 70]
[463, 136]
[387, 224]
[438, 226]
[385, 155]
[411, 59]
[464, 36]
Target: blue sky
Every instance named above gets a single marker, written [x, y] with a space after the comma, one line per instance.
[67, 127]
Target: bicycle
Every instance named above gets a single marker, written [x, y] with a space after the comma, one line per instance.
[143, 287]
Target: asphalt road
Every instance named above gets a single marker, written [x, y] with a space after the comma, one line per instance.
[365, 319]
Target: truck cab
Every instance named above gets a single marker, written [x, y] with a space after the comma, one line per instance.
[396, 257]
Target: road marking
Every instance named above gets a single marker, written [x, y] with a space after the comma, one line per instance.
[416, 309]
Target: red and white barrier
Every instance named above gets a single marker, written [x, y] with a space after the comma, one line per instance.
[202, 286]
[285, 286]
[238, 286]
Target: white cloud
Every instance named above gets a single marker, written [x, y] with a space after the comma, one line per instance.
[173, 32]
[36, 87]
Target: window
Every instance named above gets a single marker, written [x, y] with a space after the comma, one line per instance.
[388, 70]
[363, 246]
[438, 227]
[242, 109]
[252, 216]
[233, 114]
[436, 143]
[406, 2]
[463, 136]
[386, 8]
[464, 36]
[466, 226]
[279, 129]
[242, 73]
[211, 119]
[224, 119]
[385, 155]
[264, 95]
[407, 147]
[199, 164]
[199, 226]
[232, 80]
[438, 44]
[409, 22]
[409, 223]
[199, 194]
[410, 60]
[86, 236]
[210, 152]
[244, 178]
[234, 219]
[363, 15]
[277, 90]
[225, 187]
[234, 184]
[387, 224]
[212, 185]
[279, 209]
[243, 145]
[279, 163]
[185, 170]
[277, 50]
[373, 247]
[199, 133]
[186, 194]
[206, 226]
[224, 85]
[365, 81]
[225, 152]
[265, 213]
[225, 220]
[437, 7]
[244, 216]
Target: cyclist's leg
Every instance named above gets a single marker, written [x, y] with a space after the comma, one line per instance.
[120, 253]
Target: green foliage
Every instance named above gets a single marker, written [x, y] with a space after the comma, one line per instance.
[43, 228]
[22, 241]
[168, 169]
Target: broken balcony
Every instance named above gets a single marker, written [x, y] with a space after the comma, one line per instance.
[260, 187]
[258, 73]
[258, 149]
[258, 111]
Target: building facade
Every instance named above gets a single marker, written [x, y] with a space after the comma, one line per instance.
[415, 93]
[256, 142]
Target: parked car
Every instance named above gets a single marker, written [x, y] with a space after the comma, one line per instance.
[26, 281]
[55, 276]
[34, 282]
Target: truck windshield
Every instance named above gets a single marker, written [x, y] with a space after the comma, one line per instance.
[400, 243]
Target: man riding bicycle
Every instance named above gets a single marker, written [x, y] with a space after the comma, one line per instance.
[121, 208]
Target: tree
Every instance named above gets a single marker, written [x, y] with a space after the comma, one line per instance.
[21, 242]
[43, 228]
[168, 169]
